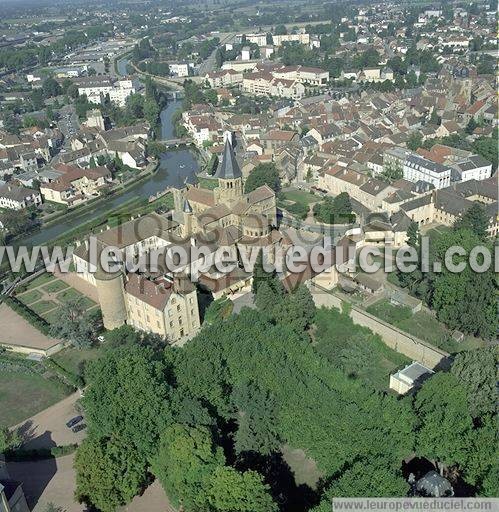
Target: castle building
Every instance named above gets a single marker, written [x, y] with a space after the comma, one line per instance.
[163, 298]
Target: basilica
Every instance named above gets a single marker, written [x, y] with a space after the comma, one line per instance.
[199, 211]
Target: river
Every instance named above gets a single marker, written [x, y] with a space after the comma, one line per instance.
[175, 166]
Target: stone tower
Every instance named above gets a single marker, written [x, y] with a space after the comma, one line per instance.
[230, 178]
[111, 292]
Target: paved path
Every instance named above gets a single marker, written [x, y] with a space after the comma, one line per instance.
[48, 428]
[47, 481]
[154, 499]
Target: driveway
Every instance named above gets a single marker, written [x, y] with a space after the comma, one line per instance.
[48, 428]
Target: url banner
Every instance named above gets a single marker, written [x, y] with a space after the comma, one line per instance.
[395, 504]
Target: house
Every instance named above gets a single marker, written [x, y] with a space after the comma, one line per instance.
[412, 376]
[14, 197]
[75, 185]
[368, 284]
[224, 78]
[276, 138]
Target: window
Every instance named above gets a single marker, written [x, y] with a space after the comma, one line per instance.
[178, 307]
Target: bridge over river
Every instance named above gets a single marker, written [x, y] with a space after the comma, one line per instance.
[170, 143]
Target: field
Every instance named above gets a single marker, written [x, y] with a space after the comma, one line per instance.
[46, 294]
[24, 394]
[421, 324]
[297, 202]
[356, 350]
[299, 196]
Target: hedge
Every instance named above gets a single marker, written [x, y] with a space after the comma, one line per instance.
[30, 316]
[74, 380]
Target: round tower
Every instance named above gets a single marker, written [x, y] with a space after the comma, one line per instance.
[111, 293]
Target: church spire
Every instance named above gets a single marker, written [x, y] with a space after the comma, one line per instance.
[229, 168]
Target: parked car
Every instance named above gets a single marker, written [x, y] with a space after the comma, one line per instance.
[79, 427]
[73, 421]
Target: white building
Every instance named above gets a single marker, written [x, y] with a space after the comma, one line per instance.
[18, 198]
[96, 88]
[246, 53]
[474, 167]
[408, 378]
[417, 168]
[180, 69]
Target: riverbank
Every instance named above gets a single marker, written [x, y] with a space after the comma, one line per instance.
[112, 192]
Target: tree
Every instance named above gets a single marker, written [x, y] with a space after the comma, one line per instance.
[470, 127]
[155, 149]
[260, 275]
[51, 87]
[185, 459]
[391, 172]
[445, 423]
[476, 371]
[11, 124]
[8, 439]
[74, 324]
[17, 222]
[336, 210]
[263, 174]
[369, 478]
[464, 300]
[475, 219]
[415, 141]
[127, 397]
[108, 473]
[280, 30]
[255, 415]
[413, 235]
[151, 111]
[227, 490]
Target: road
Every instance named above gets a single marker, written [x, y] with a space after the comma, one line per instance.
[68, 123]
[210, 63]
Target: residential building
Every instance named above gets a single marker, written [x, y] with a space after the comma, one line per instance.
[14, 197]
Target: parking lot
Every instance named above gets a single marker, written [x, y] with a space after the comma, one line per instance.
[48, 428]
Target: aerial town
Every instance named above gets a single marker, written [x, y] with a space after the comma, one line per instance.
[249, 255]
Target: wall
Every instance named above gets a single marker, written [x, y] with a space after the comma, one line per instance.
[400, 341]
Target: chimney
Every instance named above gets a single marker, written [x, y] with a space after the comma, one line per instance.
[86, 244]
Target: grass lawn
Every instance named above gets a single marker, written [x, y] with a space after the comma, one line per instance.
[299, 196]
[55, 286]
[43, 306]
[422, 325]
[24, 394]
[41, 279]
[354, 349]
[71, 359]
[30, 296]
[88, 303]
[51, 316]
[68, 295]
[208, 183]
